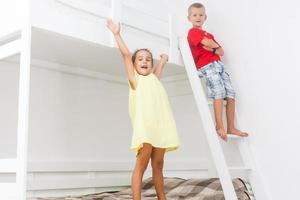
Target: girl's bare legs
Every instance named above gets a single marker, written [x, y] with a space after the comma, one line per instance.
[218, 109]
[230, 108]
[142, 160]
[157, 163]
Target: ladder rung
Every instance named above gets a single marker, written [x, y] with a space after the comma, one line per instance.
[8, 165]
[230, 136]
[8, 191]
[233, 137]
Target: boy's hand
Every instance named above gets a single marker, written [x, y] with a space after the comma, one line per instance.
[164, 57]
[219, 50]
[114, 28]
[207, 48]
[209, 43]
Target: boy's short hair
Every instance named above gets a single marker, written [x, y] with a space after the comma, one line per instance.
[195, 5]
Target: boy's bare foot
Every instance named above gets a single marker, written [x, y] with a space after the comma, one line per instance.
[237, 132]
[221, 132]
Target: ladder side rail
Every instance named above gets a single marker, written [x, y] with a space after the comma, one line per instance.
[208, 125]
[255, 176]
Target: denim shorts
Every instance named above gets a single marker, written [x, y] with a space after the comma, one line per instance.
[217, 81]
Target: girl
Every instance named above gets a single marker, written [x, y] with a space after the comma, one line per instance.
[154, 129]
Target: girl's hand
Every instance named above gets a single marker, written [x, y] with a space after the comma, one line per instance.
[114, 28]
[164, 57]
[162, 62]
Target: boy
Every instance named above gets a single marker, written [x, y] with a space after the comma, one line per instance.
[206, 53]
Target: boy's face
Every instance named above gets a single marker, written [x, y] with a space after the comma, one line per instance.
[197, 16]
[143, 63]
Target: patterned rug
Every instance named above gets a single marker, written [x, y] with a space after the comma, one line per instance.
[175, 188]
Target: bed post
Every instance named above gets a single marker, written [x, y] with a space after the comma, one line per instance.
[23, 104]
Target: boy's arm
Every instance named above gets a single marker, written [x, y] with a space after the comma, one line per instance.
[160, 66]
[196, 36]
[209, 43]
[115, 29]
[214, 47]
[219, 50]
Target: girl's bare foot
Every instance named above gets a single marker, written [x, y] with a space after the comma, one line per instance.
[221, 132]
[237, 132]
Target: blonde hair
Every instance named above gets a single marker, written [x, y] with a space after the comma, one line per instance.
[195, 5]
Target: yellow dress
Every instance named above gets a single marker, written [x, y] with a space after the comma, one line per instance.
[151, 115]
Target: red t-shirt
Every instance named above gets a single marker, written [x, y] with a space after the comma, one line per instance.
[201, 56]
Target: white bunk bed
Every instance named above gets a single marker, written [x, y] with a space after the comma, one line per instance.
[70, 36]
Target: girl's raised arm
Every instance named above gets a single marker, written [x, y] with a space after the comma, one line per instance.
[115, 29]
[160, 66]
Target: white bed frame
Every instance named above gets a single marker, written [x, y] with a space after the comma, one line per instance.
[37, 22]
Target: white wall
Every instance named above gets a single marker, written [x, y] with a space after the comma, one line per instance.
[8, 110]
[261, 40]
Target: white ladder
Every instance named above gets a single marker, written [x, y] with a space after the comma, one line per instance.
[223, 170]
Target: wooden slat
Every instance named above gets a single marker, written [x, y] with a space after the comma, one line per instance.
[74, 183]
[9, 35]
[10, 49]
[88, 7]
[8, 165]
[86, 166]
[136, 19]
